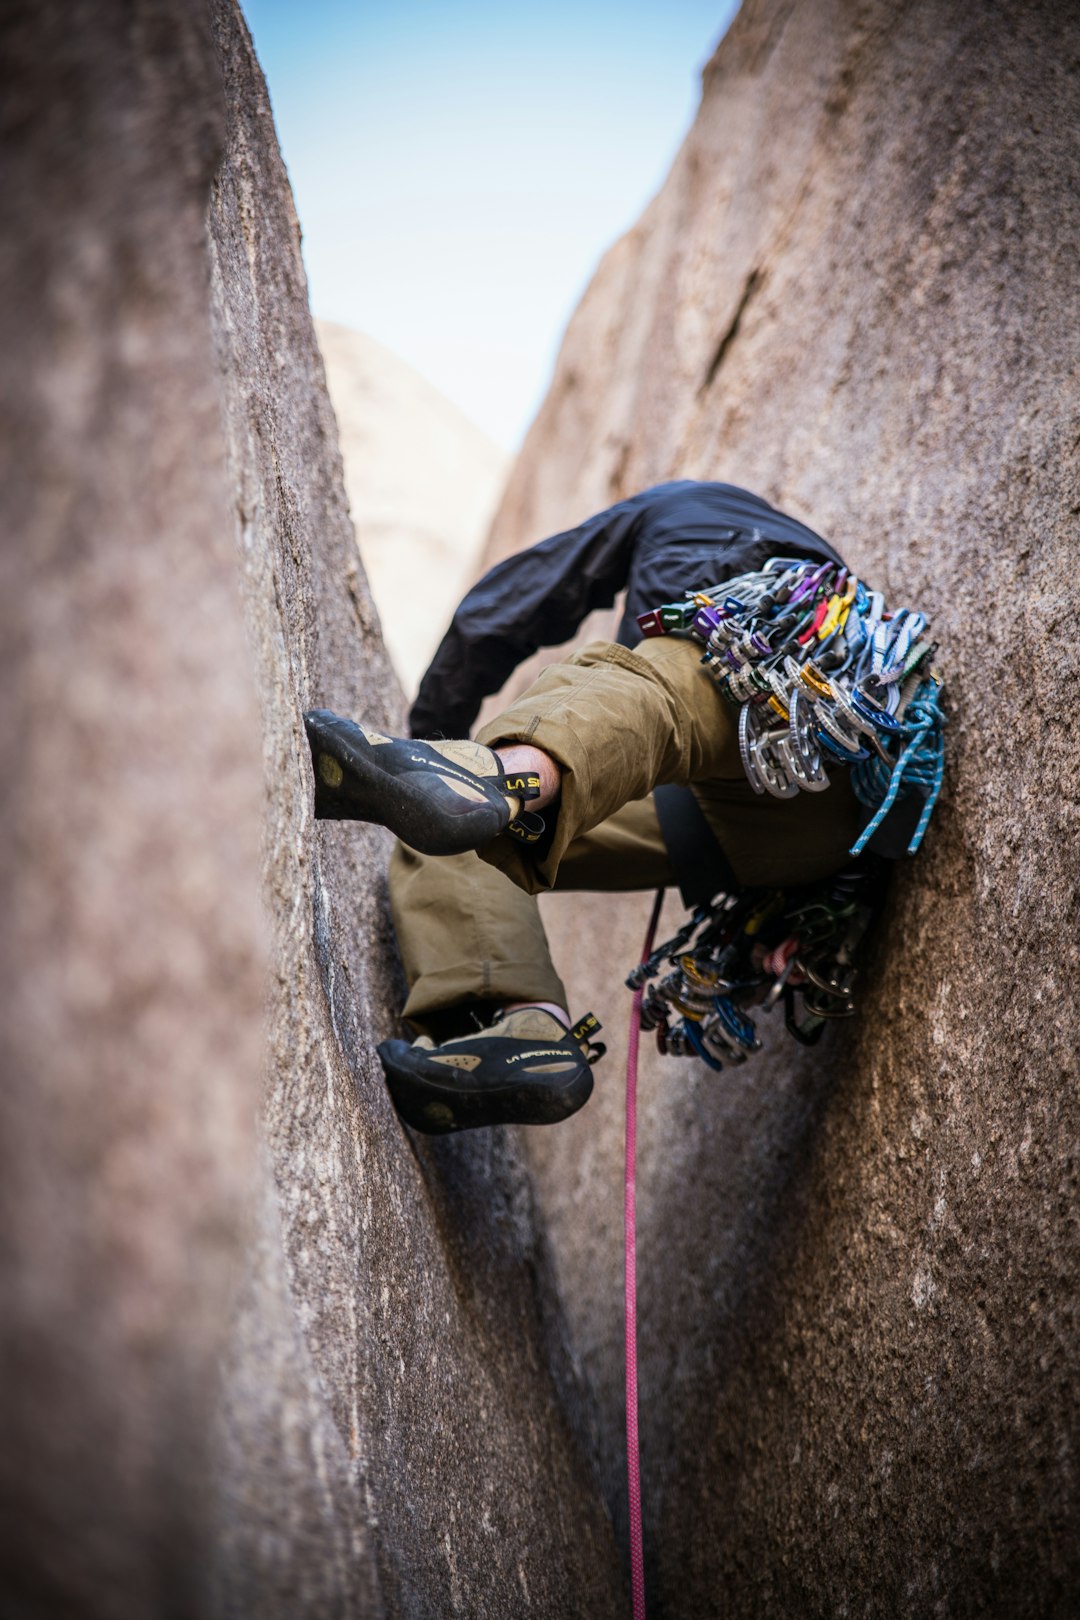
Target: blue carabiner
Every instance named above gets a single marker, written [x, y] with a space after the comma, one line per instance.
[694, 1036]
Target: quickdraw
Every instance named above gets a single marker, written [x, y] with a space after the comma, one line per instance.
[750, 950]
[825, 676]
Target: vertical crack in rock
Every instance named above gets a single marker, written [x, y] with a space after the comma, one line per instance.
[411, 1298]
[750, 287]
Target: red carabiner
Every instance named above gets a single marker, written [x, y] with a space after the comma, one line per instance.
[815, 624]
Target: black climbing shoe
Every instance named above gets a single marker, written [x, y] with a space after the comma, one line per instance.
[439, 798]
[527, 1069]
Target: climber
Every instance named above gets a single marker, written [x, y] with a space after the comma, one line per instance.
[627, 749]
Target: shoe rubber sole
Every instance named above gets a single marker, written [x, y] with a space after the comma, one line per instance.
[514, 1083]
[400, 784]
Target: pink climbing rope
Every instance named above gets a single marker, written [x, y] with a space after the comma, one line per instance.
[633, 1456]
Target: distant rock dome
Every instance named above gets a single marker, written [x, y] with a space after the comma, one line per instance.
[422, 482]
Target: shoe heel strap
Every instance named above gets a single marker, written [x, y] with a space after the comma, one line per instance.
[522, 784]
[527, 827]
[583, 1031]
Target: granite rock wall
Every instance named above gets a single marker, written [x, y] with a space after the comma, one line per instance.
[261, 1354]
[856, 293]
[260, 1351]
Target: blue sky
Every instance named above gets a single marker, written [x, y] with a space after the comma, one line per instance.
[460, 168]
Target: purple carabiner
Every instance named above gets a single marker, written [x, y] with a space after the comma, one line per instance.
[809, 584]
[705, 622]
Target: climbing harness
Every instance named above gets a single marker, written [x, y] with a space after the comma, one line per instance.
[633, 1454]
[824, 676]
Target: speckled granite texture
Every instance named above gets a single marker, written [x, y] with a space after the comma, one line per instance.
[857, 293]
[261, 1354]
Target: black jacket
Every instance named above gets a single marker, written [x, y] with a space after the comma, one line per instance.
[673, 538]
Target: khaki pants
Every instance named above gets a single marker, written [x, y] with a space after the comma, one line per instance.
[619, 723]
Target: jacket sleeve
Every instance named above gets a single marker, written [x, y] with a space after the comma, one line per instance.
[537, 598]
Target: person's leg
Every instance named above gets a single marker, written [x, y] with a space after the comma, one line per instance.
[603, 727]
[619, 723]
[613, 723]
[609, 725]
[470, 941]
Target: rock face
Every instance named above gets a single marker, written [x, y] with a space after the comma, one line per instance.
[422, 482]
[261, 1353]
[132, 963]
[857, 294]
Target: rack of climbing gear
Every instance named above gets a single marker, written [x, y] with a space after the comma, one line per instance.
[751, 950]
[824, 676]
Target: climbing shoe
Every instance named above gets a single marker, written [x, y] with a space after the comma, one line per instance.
[438, 797]
[526, 1069]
